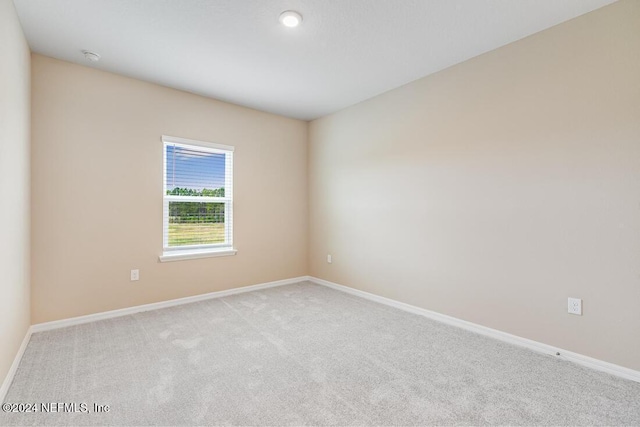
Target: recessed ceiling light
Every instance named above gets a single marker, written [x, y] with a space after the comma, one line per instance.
[91, 56]
[290, 18]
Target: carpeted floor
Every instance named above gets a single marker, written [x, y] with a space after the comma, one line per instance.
[304, 354]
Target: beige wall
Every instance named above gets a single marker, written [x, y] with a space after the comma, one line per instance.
[97, 192]
[14, 185]
[497, 188]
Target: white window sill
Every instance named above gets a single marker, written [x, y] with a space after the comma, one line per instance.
[195, 254]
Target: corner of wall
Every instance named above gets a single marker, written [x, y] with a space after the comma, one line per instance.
[15, 118]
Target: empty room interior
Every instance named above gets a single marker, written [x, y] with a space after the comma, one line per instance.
[336, 212]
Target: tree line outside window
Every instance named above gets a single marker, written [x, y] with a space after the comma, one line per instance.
[196, 212]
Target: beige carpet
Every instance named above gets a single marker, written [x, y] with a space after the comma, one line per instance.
[303, 355]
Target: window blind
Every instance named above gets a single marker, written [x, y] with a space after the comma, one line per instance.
[198, 195]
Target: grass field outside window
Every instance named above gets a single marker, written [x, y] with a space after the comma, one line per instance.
[196, 234]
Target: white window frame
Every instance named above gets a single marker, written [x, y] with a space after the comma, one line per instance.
[174, 253]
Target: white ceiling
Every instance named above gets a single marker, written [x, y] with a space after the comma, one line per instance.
[344, 52]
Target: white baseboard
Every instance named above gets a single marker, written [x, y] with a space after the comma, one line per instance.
[46, 326]
[539, 347]
[8, 379]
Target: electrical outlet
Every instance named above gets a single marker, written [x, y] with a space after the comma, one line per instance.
[575, 306]
[329, 258]
[135, 275]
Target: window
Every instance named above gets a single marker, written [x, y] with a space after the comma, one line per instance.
[198, 199]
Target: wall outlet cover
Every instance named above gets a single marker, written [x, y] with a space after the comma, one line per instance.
[575, 306]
